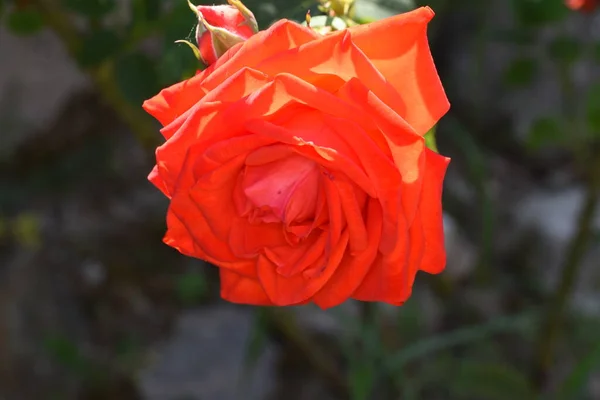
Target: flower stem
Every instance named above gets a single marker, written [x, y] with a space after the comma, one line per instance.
[550, 328]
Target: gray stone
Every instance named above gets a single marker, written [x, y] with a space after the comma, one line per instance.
[204, 359]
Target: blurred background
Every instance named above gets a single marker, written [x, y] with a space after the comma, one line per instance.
[94, 306]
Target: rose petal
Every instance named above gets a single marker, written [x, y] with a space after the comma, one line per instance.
[284, 291]
[189, 232]
[405, 146]
[327, 157]
[205, 122]
[291, 261]
[352, 202]
[175, 100]
[353, 269]
[241, 289]
[390, 279]
[406, 63]
[331, 61]
[430, 213]
[157, 181]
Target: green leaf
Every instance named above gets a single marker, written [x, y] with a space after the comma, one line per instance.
[410, 321]
[137, 77]
[539, 12]
[575, 382]
[64, 351]
[361, 378]
[596, 52]
[486, 381]
[459, 337]
[430, 140]
[593, 109]
[25, 22]
[565, 49]
[91, 8]
[98, 46]
[545, 131]
[192, 287]
[521, 72]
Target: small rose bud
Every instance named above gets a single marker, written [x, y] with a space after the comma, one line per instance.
[583, 5]
[221, 27]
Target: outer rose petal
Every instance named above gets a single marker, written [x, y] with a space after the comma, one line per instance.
[405, 146]
[331, 61]
[406, 63]
[173, 101]
[430, 212]
[391, 281]
[204, 120]
[241, 289]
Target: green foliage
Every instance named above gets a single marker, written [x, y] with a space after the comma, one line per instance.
[137, 76]
[139, 56]
[464, 336]
[575, 383]
[539, 12]
[25, 21]
[430, 140]
[93, 9]
[545, 131]
[488, 381]
[145, 11]
[64, 351]
[192, 288]
[593, 109]
[565, 49]
[521, 72]
[98, 46]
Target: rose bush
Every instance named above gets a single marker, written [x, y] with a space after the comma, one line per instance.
[296, 164]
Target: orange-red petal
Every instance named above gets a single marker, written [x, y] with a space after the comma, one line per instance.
[406, 63]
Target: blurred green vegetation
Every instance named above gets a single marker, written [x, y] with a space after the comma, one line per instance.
[127, 49]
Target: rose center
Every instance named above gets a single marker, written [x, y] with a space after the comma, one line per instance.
[282, 191]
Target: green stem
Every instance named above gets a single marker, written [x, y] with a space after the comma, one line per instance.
[551, 325]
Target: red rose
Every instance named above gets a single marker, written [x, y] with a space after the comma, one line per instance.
[297, 165]
[582, 5]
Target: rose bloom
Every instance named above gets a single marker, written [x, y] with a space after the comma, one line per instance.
[582, 5]
[297, 165]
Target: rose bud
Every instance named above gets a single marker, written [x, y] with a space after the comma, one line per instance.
[582, 5]
[222, 27]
